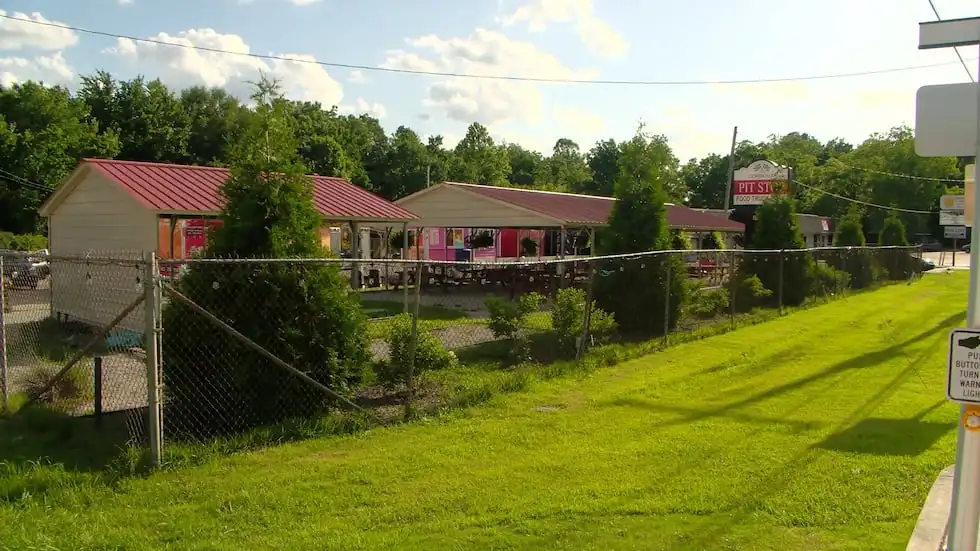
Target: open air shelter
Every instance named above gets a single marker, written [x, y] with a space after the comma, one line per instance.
[459, 205]
[118, 209]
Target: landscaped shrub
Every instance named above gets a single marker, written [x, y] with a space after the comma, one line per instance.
[301, 313]
[508, 320]
[708, 303]
[828, 280]
[679, 240]
[859, 263]
[568, 317]
[69, 392]
[899, 264]
[713, 240]
[529, 247]
[23, 242]
[430, 354]
[637, 290]
[777, 228]
[749, 293]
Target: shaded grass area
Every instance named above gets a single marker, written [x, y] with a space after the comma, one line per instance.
[820, 430]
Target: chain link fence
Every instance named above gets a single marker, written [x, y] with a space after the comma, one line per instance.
[252, 351]
[72, 353]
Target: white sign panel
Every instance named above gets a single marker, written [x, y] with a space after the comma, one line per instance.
[946, 120]
[963, 374]
[951, 32]
[755, 183]
[954, 232]
[951, 218]
[952, 202]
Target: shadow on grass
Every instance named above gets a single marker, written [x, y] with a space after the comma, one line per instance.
[877, 436]
[388, 308]
[758, 493]
[865, 360]
[42, 449]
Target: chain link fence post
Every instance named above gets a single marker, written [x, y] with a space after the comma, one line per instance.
[413, 342]
[3, 338]
[732, 285]
[667, 299]
[782, 254]
[151, 343]
[584, 339]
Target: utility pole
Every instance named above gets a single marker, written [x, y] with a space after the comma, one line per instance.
[731, 171]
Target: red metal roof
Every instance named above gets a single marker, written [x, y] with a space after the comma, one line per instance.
[184, 189]
[572, 209]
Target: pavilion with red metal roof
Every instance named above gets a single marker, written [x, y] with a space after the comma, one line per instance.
[460, 205]
[110, 205]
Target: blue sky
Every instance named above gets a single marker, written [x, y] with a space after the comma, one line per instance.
[603, 39]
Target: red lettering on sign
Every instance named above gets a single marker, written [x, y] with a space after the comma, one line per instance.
[756, 187]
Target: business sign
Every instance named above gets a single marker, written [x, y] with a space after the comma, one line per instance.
[946, 120]
[954, 232]
[757, 182]
[952, 202]
[951, 218]
[963, 369]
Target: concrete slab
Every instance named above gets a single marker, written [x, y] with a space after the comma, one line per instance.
[930, 529]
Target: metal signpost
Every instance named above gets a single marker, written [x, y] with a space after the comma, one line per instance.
[947, 123]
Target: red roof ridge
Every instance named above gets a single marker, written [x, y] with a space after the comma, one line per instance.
[188, 167]
[541, 191]
[149, 163]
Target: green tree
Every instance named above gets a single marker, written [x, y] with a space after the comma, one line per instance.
[635, 290]
[149, 119]
[850, 229]
[308, 318]
[777, 228]
[897, 262]
[603, 161]
[478, 160]
[528, 169]
[569, 172]
[860, 263]
[43, 134]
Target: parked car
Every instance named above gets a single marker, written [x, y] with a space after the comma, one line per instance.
[966, 248]
[925, 264]
[931, 245]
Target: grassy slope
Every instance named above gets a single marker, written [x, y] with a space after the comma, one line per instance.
[821, 430]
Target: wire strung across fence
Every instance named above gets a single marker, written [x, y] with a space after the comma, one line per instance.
[257, 350]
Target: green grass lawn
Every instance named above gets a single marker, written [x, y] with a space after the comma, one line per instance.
[823, 429]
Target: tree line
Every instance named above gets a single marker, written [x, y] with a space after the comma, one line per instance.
[44, 131]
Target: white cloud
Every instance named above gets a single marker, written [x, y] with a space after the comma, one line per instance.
[375, 109]
[594, 32]
[487, 53]
[580, 120]
[17, 35]
[184, 66]
[52, 69]
[356, 77]
[294, 2]
[124, 2]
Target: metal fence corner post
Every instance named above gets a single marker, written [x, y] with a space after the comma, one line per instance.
[782, 254]
[583, 343]
[151, 343]
[667, 298]
[732, 285]
[413, 343]
[3, 341]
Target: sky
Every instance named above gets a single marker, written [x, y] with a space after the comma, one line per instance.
[700, 42]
